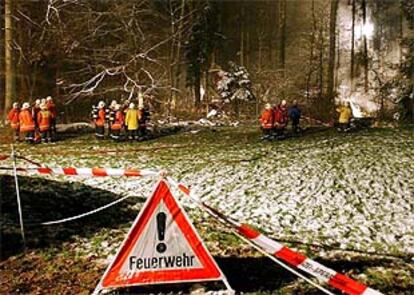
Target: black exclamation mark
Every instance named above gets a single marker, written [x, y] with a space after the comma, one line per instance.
[161, 218]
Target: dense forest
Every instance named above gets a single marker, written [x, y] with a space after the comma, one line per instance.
[268, 140]
[176, 51]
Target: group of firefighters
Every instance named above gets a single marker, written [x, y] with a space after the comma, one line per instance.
[274, 120]
[36, 123]
[124, 121]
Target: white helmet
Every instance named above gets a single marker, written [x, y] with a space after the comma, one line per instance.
[49, 98]
[37, 101]
[43, 106]
[131, 105]
[101, 104]
[117, 107]
[283, 103]
[26, 105]
[15, 105]
[268, 106]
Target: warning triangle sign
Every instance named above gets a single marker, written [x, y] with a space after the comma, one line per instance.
[161, 247]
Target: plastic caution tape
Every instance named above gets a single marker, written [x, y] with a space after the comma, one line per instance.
[86, 213]
[90, 171]
[4, 157]
[318, 121]
[306, 264]
[293, 258]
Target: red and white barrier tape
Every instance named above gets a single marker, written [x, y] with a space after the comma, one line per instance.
[89, 172]
[318, 121]
[308, 265]
[4, 157]
[101, 172]
[293, 258]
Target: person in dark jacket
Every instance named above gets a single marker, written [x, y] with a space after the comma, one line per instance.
[145, 116]
[294, 115]
[35, 110]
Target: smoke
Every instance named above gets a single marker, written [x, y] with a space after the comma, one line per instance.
[362, 103]
[382, 65]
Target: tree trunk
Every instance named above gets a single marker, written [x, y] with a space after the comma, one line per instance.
[321, 48]
[338, 62]
[177, 56]
[247, 56]
[332, 45]
[9, 70]
[241, 24]
[282, 35]
[171, 61]
[206, 97]
[352, 73]
[197, 83]
[401, 36]
[260, 53]
[365, 57]
[312, 48]
[274, 32]
[269, 40]
[2, 76]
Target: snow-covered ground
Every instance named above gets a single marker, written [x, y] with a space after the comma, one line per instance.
[353, 191]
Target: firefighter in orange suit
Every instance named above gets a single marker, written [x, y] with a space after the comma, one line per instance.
[35, 110]
[53, 111]
[266, 120]
[118, 123]
[44, 121]
[13, 117]
[100, 121]
[27, 124]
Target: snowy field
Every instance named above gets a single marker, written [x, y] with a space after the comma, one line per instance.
[339, 191]
[352, 191]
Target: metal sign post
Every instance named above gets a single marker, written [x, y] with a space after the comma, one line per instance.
[19, 205]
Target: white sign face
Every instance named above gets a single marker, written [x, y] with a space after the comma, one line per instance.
[162, 246]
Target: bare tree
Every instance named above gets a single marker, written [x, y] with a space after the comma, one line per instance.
[332, 45]
[352, 73]
[365, 45]
[8, 48]
[311, 67]
[282, 35]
